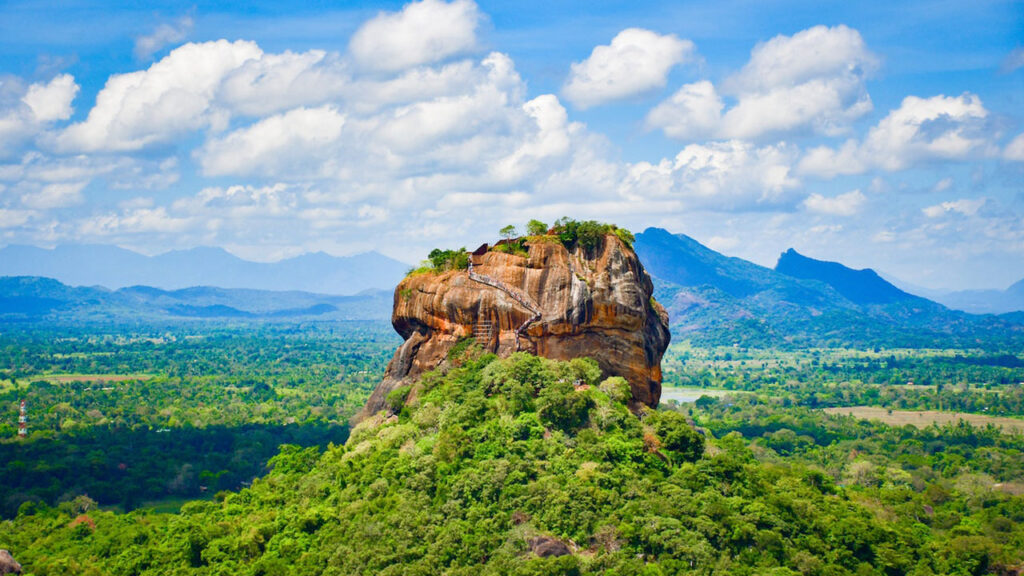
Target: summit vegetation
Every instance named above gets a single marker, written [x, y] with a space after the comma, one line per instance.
[569, 232]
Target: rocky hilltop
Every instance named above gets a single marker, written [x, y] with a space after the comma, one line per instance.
[546, 298]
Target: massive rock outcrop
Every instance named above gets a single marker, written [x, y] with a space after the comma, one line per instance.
[557, 302]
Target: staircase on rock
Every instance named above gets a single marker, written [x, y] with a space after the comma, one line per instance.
[515, 294]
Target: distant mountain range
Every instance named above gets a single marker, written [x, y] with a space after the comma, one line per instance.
[30, 298]
[710, 297]
[986, 301]
[803, 301]
[113, 267]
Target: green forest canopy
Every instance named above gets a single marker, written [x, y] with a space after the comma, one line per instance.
[498, 462]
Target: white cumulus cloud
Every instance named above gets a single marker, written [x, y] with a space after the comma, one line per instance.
[636, 62]
[456, 134]
[548, 137]
[239, 203]
[274, 145]
[171, 97]
[56, 195]
[421, 33]
[14, 218]
[695, 110]
[964, 206]
[727, 176]
[369, 95]
[818, 52]
[52, 101]
[136, 220]
[846, 204]
[813, 80]
[460, 126]
[276, 82]
[28, 111]
[921, 129]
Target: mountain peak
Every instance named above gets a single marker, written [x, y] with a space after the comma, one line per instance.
[858, 286]
[684, 261]
[1017, 288]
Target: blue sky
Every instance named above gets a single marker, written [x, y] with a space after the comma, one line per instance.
[884, 135]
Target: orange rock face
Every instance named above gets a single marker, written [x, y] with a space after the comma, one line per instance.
[557, 303]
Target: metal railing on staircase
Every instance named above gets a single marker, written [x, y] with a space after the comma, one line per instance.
[514, 293]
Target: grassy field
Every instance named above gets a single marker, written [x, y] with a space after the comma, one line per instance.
[924, 418]
[684, 395]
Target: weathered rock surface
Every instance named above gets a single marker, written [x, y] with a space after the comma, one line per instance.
[582, 302]
[547, 547]
[8, 565]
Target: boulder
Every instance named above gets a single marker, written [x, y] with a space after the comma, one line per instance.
[557, 302]
[8, 565]
[547, 547]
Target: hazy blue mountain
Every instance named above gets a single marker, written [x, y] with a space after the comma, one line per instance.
[721, 299]
[932, 294]
[683, 261]
[986, 301]
[36, 298]
[117, 268]
[857, 286]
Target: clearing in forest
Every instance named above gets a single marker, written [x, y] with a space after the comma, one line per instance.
[923, 418]
[67, 378]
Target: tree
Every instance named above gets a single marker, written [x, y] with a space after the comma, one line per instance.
[590, 232]
[565, 228]
[561, 406]
[678, 436]
[509, 232]
[586, 369]
[437, 257]
[449, 259]
[536, 228]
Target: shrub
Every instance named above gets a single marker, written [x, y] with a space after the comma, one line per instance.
[626, 236]
[396, 398]
[449, 259]
[514, 247]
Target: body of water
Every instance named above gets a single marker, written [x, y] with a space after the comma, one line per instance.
[685, 395]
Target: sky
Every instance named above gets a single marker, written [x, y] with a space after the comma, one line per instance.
[887, 135]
